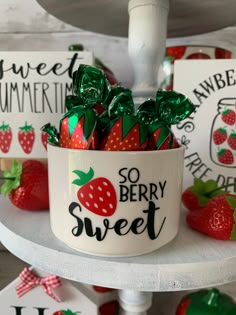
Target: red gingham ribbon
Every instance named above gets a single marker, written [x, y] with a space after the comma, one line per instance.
[30, 280]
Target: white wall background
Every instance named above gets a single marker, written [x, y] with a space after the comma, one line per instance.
[25, 26]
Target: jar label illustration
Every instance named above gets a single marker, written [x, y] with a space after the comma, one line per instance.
[209, 133]
[223, 134]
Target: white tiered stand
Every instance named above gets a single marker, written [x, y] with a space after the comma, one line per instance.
[191, 260]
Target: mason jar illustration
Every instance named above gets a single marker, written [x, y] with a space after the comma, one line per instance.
[223, 134]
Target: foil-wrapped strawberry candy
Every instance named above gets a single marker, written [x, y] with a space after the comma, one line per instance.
[124, 131]
[77, 129]
[168, 109]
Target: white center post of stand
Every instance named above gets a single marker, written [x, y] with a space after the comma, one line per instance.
[134, 302]
[146, 43]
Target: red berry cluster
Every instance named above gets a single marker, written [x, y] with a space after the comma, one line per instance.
[222, 136]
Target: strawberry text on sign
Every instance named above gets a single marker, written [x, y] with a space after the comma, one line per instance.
[24, 96]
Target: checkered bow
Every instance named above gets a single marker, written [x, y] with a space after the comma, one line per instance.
[30, 280]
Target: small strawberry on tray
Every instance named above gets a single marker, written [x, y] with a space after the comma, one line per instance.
[26, 185]
[211, 209]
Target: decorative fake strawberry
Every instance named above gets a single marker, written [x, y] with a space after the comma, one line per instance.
[97, 195]
[206, 302]
[198, 55]
[177, 52]
[101, 289]
[229, 117]
[197, 195]
[216, 219]
[222, 53]
[219, 136]
[26, 185]
[126, 134]
[5, 138]
[26, 137]
[232, 140]
[109, 308]
[225, 156]
[77, 130]
[66, 312]
[44, 139]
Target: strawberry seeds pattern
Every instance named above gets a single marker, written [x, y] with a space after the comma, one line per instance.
[95, 194]
[223, 134]
[5, 137]
[25, 136]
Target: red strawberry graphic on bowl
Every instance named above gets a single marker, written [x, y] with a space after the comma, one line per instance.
[96, 195]
[26, 137]
[5, 138]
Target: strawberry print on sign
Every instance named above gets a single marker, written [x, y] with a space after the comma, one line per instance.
[5, 137]
[211, 129]
[96, 195]
[66, 312]
[223, 134]
[26, 138]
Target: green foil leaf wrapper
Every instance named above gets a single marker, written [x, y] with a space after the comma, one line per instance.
[53, 135]
[172, 107]
[90, 85]
[124, 131]
[161, 137]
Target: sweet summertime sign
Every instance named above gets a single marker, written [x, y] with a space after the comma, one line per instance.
[209, 134]
[33, 86]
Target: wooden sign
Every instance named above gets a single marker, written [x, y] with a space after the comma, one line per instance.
[33, 86]
[75, 299]
[209, 134]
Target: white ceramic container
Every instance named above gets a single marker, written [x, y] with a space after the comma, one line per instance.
[129, 206]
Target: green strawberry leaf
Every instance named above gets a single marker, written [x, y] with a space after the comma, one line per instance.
[232, 203]
[4, 127]
[12, 178]
[26, 128]
[210, 185]
[83, 177]
[233, 233]
[207, 190]
[69, 312]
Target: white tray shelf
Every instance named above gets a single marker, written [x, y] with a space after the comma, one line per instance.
[190, 261]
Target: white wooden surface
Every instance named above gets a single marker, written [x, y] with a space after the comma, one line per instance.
[190, 261]
[24, 25]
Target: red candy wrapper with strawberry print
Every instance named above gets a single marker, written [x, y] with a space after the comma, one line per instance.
[103, 117]
[77, 129]
[161, 138]
[124, 131]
